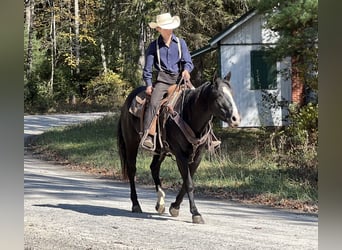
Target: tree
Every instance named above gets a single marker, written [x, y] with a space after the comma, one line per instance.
[80, 39]
[29, 9]
[77, 38]
[296, 22]
[53, 44]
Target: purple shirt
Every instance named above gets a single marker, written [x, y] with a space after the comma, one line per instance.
[169, 58]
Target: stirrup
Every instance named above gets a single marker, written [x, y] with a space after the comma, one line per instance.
[142, 141]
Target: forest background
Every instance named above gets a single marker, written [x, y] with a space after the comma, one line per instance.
[87, 54]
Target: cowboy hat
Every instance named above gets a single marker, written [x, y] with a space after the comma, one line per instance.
[165, 21]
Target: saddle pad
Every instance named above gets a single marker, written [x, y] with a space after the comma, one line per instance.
[137, 104]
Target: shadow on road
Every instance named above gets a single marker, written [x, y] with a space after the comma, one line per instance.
[104, 211]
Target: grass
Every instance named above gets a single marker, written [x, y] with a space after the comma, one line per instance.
[243, 169]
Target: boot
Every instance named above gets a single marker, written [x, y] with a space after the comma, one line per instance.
[148, 142]
[149, 135]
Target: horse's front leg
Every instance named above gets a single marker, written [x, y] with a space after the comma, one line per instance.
[196, 216]
[155, 169]
[187, 172]
[175, 206]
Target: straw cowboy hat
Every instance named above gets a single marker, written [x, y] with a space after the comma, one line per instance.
[165, 21]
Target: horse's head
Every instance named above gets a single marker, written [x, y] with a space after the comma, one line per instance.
[223, 105]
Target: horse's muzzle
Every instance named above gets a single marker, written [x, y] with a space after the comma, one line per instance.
[235, 120]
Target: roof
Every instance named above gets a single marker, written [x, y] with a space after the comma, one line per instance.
[212, 44]
[202, 50]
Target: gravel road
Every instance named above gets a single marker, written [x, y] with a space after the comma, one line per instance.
[67, 209]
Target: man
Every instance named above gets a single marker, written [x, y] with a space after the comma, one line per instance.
[170, 57]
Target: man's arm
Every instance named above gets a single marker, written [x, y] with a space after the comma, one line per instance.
[149, 60]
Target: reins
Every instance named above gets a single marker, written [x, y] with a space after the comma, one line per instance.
[184, 126]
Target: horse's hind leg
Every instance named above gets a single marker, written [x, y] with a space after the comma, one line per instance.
[155, 169]
[134, 197]
[131, 163]
[160, 206]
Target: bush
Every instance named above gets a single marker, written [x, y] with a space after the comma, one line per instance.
[37, 98]
[304, 123]
[107, 90]
[296, 146]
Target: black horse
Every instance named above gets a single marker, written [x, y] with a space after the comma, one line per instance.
[195, 108]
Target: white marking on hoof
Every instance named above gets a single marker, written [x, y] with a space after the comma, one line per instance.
[160, 206]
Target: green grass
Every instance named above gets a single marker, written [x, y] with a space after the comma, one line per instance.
[244, 168]
[91, 144]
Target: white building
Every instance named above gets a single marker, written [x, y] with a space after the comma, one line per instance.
[255, 79]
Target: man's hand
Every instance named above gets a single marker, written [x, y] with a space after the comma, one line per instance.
[149, 90]
[186, 75]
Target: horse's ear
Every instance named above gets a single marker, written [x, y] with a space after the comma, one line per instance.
[228, 76]
[214, 76]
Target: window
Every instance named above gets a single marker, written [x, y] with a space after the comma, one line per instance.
[263, 70]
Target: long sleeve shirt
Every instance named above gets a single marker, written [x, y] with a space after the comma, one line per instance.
[169, 58]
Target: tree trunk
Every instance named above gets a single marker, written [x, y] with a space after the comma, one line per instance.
[103, 56]
[77, 43]
[72, 97]
[297, 82]
[53, 46]
[141, 46]
[29, 8]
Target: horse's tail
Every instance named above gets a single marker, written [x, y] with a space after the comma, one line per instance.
[122, 151]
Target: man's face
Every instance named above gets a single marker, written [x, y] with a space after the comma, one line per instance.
[164, 32]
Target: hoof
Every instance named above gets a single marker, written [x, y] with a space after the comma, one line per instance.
[136, 209]
[173, 211]
[160, 208]
[197, 219]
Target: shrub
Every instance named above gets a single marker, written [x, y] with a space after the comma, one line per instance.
[107, 90]
[296, 146]
[304, 123]
[37, 97]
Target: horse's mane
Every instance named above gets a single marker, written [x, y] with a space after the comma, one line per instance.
[192, 96]
[190, 100]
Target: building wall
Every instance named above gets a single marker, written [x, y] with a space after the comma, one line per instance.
[236, 58]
